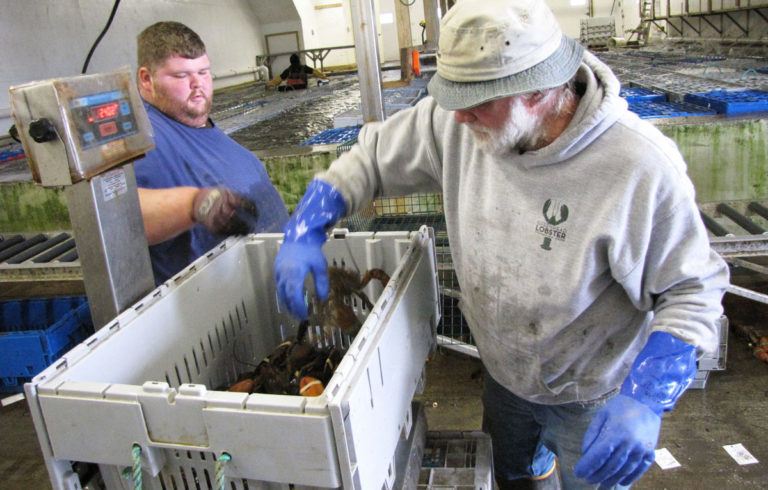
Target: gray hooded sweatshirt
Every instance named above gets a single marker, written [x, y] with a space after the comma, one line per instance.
[567, 257]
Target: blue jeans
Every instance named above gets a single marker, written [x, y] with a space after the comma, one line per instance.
[528, 436]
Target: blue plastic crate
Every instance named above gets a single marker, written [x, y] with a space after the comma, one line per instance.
[640, 94]
[333, 136]
[731, 101]
[36, 332]
[654, 110]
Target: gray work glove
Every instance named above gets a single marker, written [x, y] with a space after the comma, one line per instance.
[224, 212]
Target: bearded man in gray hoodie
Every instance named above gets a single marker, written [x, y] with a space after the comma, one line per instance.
[585, 271]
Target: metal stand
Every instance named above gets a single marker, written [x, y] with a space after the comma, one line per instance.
[109, 232]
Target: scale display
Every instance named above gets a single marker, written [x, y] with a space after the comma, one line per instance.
[74, 128]
[103, 117]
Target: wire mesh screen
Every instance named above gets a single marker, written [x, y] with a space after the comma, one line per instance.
[409, 213]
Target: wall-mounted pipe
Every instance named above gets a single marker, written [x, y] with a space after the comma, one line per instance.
[261, 73]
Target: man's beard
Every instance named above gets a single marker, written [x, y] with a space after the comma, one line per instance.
[182, 111]
[521, 130]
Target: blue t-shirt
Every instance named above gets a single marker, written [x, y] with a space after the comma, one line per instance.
[202, 157]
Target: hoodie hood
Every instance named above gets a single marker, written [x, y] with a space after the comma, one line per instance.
[599, 108]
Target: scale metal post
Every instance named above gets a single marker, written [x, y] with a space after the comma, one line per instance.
[81, 134]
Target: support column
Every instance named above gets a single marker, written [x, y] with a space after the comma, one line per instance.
[404, 39]
[403, 21]
[432, 19]
[367, 54]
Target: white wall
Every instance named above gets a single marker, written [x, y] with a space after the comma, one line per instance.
[329, 27]
[326, 25]
[44, 39]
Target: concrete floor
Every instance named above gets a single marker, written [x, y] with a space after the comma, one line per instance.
[731, 409]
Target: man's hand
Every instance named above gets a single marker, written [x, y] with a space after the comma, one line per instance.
[619, 444]
[217, 209]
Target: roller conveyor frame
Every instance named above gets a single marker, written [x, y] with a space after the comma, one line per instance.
[39, 257]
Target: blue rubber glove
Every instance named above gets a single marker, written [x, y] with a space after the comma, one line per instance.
[619, 444]
[301, 252]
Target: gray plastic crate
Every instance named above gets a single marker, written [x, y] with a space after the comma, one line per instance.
[715, 361]
[457, 460]
[149, 377]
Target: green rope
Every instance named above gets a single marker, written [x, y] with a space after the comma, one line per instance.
[220, 464]
[136, 452]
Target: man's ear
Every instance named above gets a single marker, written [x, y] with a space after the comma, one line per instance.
[144, 79]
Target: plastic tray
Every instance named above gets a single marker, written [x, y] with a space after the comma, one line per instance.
[148, 378]
[640, 94]
[333, 136]
[731, 102]
[36, 332]
[651, 110]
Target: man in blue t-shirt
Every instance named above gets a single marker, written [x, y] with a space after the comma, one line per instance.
[197, 186]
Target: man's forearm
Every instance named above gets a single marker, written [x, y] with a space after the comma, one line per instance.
[166, 212]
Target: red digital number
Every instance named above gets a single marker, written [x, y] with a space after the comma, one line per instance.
[106, 111]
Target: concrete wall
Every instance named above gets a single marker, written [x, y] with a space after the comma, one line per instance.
[327, 23]
[727, 161]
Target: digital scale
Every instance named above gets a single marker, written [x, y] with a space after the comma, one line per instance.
[81, 134]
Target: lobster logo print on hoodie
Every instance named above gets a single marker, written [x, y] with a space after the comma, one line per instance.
[555, 213]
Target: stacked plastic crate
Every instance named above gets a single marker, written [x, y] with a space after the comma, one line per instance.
[691, 86]
[596, 32]
[36, 332]
[731, 102]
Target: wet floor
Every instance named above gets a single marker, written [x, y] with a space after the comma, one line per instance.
[262, 119]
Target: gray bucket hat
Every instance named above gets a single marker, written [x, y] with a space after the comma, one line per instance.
[490, 49]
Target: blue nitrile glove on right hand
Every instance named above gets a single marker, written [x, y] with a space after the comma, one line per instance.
[619, 444]
[301, 252]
